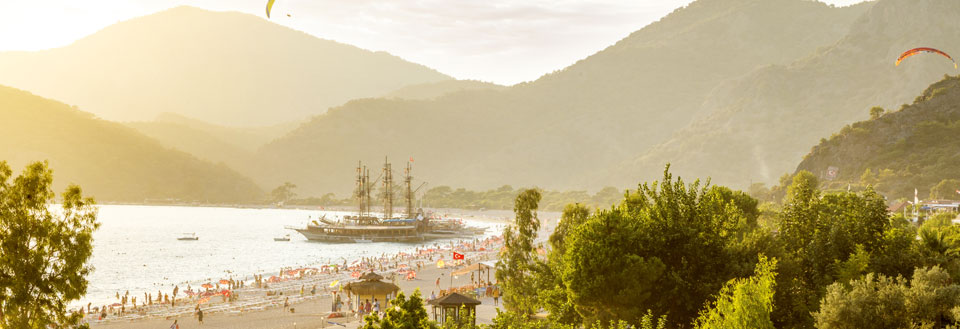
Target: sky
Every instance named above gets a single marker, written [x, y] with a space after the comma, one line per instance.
[501, 41]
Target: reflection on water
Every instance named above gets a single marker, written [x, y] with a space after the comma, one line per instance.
[136, 247]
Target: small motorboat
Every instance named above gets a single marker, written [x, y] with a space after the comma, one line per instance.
[282, 238]
[188, 237]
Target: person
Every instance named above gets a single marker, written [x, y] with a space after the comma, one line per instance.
[174, 325]
[199, 314]
[286, 303]
[438, 282]
[496, 296]
[376, 306]
[313, 291]
[176, 289]
[433, 295]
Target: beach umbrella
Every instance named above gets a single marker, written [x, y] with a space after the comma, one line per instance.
[207, 285]
[204, 300]
[334, 283]
[115, 304]
[440, 263]
[224, 281]
[371, 277]
[371, 288]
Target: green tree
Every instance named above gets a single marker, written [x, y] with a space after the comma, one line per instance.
[931, 300]
[43, 251]
[666, 248]
[552, 291]
[876, 112]
[404, 313]
[868, 178]
[820, 233]
[518, 260]
[283, 192]
[743, 303]
[946, 190]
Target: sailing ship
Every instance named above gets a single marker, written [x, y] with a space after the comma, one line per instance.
[366, 227]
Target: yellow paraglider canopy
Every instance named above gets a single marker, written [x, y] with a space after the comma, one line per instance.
[269, 7]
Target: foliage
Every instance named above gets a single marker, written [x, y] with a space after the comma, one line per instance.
[502, 198]
[914, 147]
[946, 190]
[931, 300]
[666, 248]
[518, 261]
[552, 290]
[43, 250]
[283, 192]
[743, 303]
[829, 237]
[876, 112]
[403, 313]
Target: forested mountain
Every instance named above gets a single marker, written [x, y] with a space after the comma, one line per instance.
[427, 91]
[915, 147]
[233, 146]
[760, 126]
[112, 162]
[220, 67]
[604, 109]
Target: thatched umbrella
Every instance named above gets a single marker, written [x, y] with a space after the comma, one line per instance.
[451, 305]
[371, 286]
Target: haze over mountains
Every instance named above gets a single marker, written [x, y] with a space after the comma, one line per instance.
[736, 90]
[759, 127]
[912, 148]
[109, 161]
[220, 67]
[557, 131]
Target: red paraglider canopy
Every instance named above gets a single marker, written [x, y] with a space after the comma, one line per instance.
[916, 51]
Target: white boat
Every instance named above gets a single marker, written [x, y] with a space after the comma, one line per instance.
[282, 238]
[188, 237]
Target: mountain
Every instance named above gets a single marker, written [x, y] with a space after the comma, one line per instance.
[221, 67]
[913, 148]
[758, 127]
[558, 130]
[111, 162]
[428, 91]
[232, 146]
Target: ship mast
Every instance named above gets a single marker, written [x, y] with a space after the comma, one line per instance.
[360, 191]
[387, 189]
[408, 180]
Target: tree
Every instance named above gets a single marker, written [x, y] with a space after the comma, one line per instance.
[820, 234]
[946, 189]
[552, 291]
[517, 264]
[931, 300]
[283, 192]
[743, 303]
[404, 313]
[43, 251]
[876, 112]
[666, 248]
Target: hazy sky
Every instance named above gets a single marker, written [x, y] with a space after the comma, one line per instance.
[503, 41]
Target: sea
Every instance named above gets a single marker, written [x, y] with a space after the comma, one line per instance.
[136, 247]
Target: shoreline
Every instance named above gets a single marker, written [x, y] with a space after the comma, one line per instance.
[255, 308]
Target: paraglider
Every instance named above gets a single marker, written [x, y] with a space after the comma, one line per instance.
[916, 51]
[269, 7]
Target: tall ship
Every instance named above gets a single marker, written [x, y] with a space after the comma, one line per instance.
[364, 227]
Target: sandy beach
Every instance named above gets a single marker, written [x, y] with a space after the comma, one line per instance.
[253, 308]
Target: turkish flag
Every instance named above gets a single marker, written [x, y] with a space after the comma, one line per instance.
[457, 256]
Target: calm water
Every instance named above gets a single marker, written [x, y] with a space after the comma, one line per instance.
[136, 247]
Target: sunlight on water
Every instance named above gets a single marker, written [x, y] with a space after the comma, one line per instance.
[136, 247]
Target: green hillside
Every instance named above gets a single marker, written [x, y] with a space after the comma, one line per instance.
[604, 109]
[915, 147]
[758, 127]
[220, 67]
[428, 91]
[111, 162]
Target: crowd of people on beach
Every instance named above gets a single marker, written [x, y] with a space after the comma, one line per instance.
[279, 287]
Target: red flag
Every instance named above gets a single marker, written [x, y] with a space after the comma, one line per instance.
[457, 255]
